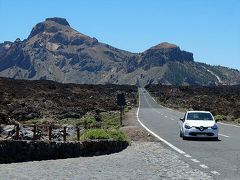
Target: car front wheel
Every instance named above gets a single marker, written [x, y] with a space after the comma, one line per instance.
[183, 137]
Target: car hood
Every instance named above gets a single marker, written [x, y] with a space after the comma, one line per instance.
[198, 123]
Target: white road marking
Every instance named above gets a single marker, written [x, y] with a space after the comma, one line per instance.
[156, 110]
[153, 99]
[226, 124]
[154, 134]
[195, 160]
[224, 135]
[215, 172]
[173, 119]
[146, 101]
[203, 166]
[169, 144]
[187, 155]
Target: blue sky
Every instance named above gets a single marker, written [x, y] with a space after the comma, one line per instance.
[210, 29]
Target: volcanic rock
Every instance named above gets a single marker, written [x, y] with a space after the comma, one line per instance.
[55, 51]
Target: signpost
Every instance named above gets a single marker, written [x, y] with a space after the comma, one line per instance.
[121, 103]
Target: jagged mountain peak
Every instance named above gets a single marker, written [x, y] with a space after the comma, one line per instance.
[59, 20]
[57, 30]
[165, 45]
[55, 51]
[163, 53]
[51, 25]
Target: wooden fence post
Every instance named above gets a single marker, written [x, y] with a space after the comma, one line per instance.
[34, 132]
[78, 133]
[64, 133]
[17, 132]
[50, 133]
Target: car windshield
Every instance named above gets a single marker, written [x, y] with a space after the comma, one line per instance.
[199, 116]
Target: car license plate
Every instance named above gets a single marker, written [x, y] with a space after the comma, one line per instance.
[201, 135]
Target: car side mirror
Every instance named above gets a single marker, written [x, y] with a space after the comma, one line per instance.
[182, 119]
[216, 120]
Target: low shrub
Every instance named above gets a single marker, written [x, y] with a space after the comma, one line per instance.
[220, 118]
[103, 134]
[237, 120]
[110, 120]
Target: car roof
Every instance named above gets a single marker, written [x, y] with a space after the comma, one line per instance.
[198, 111]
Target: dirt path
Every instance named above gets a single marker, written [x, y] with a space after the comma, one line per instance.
[134, 130]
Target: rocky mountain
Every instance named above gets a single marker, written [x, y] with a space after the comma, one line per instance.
[55, 51]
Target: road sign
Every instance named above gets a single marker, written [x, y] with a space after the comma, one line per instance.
[121, 99]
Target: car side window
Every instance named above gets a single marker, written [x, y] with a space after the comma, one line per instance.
[185, 116]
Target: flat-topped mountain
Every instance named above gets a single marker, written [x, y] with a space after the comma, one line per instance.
[55, 51]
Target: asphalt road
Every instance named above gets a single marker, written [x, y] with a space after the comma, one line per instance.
[219, 158]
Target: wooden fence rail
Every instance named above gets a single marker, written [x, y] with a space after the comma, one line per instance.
[48, 127]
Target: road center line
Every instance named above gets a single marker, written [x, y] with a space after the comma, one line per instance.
[154, 134]
[229, 124]
[224, 135]
[153, 108]
[226, 124]
[203, 166]
[187, 155]
[169, 144]
[215, 172]
[195, 160]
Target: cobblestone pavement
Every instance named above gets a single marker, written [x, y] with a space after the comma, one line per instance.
[141, 160]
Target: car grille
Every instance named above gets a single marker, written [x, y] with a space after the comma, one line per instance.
[201, 128]
[202, 133]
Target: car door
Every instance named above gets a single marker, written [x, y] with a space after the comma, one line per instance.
[182, 121]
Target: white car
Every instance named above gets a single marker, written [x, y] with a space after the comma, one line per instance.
[198, 124]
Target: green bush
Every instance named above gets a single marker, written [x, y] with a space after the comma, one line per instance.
[103, 134]
[87, 120]
[220, 118]
[237, 120]
[127, 108]
[110, 120]
[118, 135]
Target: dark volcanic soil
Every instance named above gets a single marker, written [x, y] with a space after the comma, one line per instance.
[22, 100]
[220, 100]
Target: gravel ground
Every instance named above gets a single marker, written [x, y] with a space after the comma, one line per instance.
[146, 158]
[141, 160]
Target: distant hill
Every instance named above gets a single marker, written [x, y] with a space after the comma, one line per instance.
[55, 51]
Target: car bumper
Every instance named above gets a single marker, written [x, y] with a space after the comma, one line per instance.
[207, 133]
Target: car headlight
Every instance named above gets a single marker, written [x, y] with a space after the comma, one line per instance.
[187, 126]
[214, 126]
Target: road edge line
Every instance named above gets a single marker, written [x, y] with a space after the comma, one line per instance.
[154, 134]
[226, 124]
[166, 142]
[223, 135]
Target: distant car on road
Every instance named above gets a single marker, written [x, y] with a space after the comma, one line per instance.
[198, 124]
